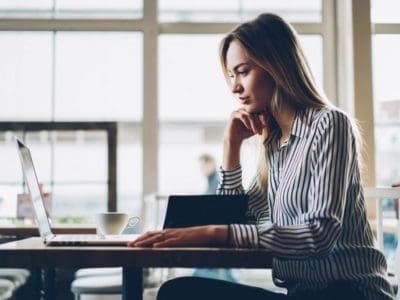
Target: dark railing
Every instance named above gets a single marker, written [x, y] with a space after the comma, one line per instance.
[111, 130]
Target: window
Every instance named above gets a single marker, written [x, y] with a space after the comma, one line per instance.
[98, 76]
[387, 106]
[89, 60]
[73, 77]
[26, 75]
[385, 11]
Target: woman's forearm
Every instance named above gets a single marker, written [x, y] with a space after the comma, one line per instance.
[220, 235]
[231, 155]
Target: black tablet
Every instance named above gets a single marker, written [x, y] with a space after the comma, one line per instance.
[194, 210]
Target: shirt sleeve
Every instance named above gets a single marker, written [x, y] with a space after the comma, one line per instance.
[333, 150]
[244, 235]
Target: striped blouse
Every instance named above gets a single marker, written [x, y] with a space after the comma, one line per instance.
[313, 218]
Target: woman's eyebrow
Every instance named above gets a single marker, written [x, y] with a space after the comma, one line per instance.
[239, 65]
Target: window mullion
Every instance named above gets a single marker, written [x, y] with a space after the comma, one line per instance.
[150, 122]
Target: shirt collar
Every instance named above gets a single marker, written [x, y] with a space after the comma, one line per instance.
[300, 128]
[301, 123]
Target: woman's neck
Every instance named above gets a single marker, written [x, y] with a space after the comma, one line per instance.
[285, 120]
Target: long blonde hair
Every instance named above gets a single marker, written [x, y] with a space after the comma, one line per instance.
[273, 45]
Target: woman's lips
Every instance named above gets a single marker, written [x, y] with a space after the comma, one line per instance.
[243, 100]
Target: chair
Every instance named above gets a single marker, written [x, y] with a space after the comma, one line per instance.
[7, 289]
[103, 281]
[87, 272]
[97, 285]
[17, 276]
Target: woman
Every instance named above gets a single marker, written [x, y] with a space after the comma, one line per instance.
[307, 198]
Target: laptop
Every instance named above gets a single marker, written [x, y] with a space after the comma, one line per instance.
[196, 210]
[43, 221]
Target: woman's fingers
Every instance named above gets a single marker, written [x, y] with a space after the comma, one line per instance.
[237, 114]
[148, 239]
[253, 122]
[167, 243]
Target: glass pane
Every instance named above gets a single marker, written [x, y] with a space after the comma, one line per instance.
[132, 9]
[99, 8]
[180, 148]
[99, 76]
[291, 10]
[195, 89]
[26, 8]
[130, 167]
[385, 11]
[79, 199]
[8, 199]
[313, 47]
[191, 83]
[238, 10]
[11, 171]
[387, 108]
[25, 75]
[81, 157]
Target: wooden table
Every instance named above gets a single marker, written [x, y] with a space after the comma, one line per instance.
[30, 230]
[31, 253]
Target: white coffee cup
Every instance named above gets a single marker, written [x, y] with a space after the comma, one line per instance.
[114, 222]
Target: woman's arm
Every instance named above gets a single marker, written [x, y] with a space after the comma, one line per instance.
[242, 125]
[211, 235]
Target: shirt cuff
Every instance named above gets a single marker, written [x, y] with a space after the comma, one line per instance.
[231, 179]
[244, 236]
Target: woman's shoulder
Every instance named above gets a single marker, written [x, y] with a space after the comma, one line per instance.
[329, 116]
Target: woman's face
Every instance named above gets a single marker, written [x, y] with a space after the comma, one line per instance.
[251, 84]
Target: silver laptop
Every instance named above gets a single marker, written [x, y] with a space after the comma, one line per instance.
[43, 221]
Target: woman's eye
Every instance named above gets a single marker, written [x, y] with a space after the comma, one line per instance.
[242, 73]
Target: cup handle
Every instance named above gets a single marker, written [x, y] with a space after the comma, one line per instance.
[132, 222]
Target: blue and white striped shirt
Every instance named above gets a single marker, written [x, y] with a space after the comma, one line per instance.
[313, 218]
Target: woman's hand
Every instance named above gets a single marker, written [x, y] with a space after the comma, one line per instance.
[211, 235]
[243, 125]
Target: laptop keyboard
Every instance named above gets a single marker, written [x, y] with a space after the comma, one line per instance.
[82, 237]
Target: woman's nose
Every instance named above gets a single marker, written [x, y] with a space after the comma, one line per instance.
[236, 87]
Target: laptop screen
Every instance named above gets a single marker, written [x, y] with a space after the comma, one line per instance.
[33, 185]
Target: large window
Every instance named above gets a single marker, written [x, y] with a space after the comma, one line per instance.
[82, 76]
[87, 61]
